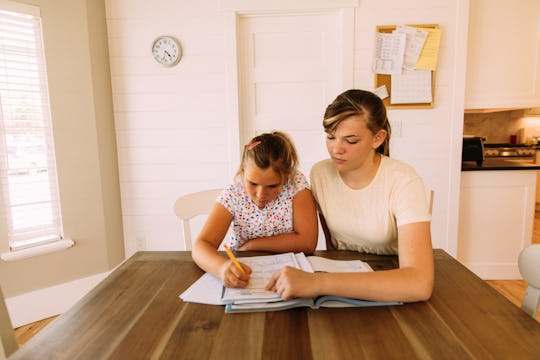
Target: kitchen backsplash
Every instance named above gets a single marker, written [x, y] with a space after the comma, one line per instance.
[497, 127]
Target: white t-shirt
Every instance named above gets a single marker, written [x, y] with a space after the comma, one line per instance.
[366, 220]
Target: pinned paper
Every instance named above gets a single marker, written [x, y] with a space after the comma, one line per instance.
[415, 40]
[389, 51]
[381, 92]
[430, 52]
[413, 86]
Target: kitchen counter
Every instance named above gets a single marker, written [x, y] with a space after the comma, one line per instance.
[498, 164]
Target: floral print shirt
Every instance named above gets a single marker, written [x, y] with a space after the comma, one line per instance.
[250, 222]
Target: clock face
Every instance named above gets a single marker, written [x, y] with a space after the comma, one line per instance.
[166, 50]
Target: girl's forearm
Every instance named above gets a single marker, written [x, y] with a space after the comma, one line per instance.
[207, 258]
[406, 284]
[282, 243]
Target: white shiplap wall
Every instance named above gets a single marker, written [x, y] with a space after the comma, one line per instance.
[174, 134]
[171, 131]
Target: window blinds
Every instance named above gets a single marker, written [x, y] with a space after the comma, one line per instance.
[27, 164]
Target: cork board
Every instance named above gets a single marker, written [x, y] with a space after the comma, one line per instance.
[384, 79]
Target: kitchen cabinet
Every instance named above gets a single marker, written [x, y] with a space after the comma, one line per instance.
[503, 54]
[496, 220]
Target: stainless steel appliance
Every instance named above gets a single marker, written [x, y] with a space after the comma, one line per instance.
[510, 152]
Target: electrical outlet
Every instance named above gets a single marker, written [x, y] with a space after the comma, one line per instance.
[140, 242]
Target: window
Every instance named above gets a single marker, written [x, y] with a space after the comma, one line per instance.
[29, 196]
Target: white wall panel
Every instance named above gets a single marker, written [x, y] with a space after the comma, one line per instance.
[194, 104]
[170, 189]
[165, 83]
[171, 154]
[177, 137]
[151, 172]
[145, 120]
[158, 10]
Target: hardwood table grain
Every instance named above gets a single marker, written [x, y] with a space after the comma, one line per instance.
[135, 313]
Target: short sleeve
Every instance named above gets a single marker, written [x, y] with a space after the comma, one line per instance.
[300, 182]
[227, 198]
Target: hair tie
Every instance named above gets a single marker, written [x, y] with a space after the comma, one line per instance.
[253, 145]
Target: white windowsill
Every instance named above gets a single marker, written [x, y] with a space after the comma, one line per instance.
[37, 250]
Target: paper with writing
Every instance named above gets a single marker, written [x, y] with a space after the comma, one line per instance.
[389, 53]
[415, 39]
[430, 52]
[263, 267]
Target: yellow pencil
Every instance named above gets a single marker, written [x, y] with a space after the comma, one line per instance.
[233, 258]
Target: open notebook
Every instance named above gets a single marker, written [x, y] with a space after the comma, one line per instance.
[209, 290]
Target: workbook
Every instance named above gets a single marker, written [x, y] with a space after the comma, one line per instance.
[255, 298]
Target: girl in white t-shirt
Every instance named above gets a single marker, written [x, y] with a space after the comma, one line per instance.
[270, 206]
[367, 202]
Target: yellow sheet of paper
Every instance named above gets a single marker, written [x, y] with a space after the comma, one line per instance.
[430, 52]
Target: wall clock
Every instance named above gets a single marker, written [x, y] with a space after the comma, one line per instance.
[166, 50]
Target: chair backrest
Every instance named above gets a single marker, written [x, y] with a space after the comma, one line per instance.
[191, 205]
[529, 267]
[8, 344]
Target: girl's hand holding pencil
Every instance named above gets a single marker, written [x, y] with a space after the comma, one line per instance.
[234, 273]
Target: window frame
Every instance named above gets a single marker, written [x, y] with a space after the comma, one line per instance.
[23, 239]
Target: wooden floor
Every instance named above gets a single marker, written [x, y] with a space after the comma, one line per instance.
[25, 333]
[513, 290]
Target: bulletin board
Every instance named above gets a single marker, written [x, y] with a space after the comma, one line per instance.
[384, 79]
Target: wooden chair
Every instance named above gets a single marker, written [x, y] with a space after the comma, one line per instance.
[529, 267]
[8, 344]
[191, 205]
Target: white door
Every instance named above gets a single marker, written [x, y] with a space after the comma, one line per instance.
[291, 67]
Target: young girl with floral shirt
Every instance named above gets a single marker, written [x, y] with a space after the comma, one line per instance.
[270, 206]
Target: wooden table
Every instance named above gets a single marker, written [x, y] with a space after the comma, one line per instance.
[135, 313]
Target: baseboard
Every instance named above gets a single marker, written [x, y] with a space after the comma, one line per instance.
[52, 301]
[495, 271]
